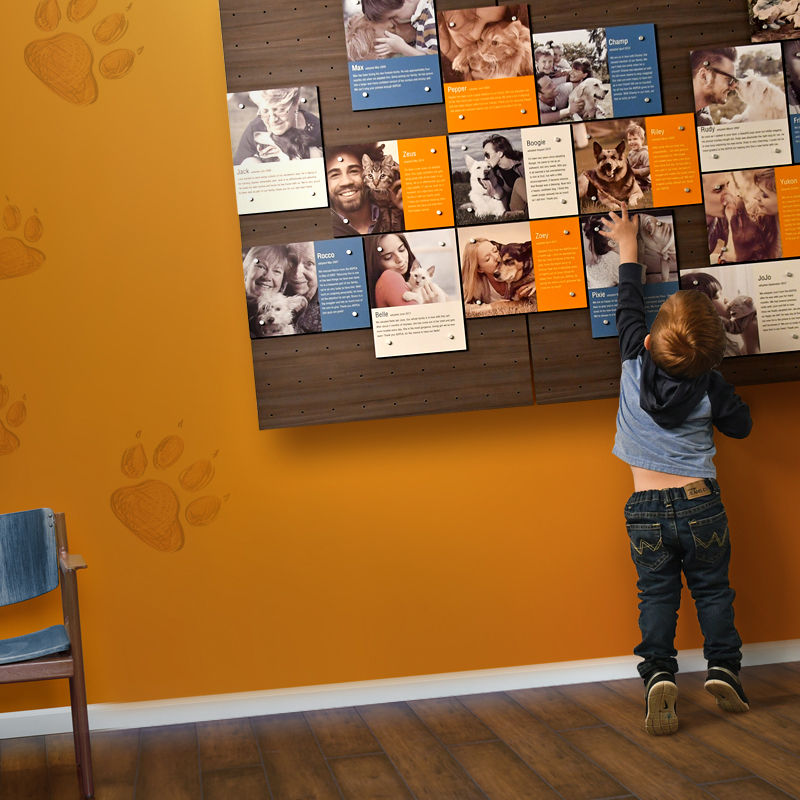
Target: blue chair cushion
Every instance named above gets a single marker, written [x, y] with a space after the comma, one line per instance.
[34, 645]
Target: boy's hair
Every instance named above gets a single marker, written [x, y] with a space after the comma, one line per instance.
[687, 337]
[634, 128]
[376, 10]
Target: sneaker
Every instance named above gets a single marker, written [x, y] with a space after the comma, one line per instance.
[724, 684]
[660, 699]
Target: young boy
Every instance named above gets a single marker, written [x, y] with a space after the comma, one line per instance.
[670, 396]
[418, 13]
[638, 155]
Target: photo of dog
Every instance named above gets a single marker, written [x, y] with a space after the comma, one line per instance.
[485, 194]
[516, 271]
[762, 99]
[657, 251]
[586, 98]
[607, 170]
[277, 312]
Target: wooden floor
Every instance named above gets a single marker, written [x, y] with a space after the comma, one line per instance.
[577, 742]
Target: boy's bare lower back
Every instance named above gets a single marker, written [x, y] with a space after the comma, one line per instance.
[644, 479]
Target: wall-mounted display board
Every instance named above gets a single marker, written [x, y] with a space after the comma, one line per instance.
[335, 376]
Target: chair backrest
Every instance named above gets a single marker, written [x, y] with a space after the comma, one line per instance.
[28, 555]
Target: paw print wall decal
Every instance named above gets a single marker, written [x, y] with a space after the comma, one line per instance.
[151, 508]
[64, 62]
[17, 257]
[10, 417]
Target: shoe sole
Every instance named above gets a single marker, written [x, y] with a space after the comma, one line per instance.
[727, 697]
[662, 718]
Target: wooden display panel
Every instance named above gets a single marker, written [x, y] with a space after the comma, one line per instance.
[275, 44]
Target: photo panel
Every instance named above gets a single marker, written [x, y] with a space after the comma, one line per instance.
[391, 185]
[276, 139]
[596, 73]
[512, 173]
[415, 292]
[741, 107]
[393, 56]
[305, 287]
[752, 215]
[657, 253]
[772, 20]
[521, 267]
[791, 71]
[645, 162]
[487, 67]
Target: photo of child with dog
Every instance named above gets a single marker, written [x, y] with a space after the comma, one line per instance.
[742, 216]
[656, 242]
[280, 283]
[731, 289]
[616, 168]
[485, 43]
[497, 274]
[488, 176]
[581, 92]
[376, 29]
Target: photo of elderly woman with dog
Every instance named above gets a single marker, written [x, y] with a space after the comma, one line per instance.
[742, 216]
[280, 283]
[497, 275]
[275, 125]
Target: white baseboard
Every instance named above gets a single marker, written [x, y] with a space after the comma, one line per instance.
[113, 716]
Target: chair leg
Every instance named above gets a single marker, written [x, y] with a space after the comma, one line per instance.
[80, 730]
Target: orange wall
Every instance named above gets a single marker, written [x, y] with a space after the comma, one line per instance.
[340, 553]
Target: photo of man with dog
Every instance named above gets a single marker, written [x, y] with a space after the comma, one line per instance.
[488, 176]
[581, 92]
[614, 169]
[497, 274]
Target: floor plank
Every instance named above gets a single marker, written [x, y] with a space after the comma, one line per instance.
[227, 744]
[501, 773]
[429, 770]
[626, 715]
[23, 768]
[747, 789]
[370, 776]
[543, 750]
[646, 776]
[341, 732]
[293, 761]
[247, 783]
[169, 766]
[447, 719]
[554, 708]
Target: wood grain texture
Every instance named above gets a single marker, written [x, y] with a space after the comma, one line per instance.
[285, 45]
[554, 708]
[450, 722]
[227, 744]
[169, 766]
[23, 768]
[542, 749]
[369, 776]
[341, 732]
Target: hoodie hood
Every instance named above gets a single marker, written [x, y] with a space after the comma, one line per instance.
[666, 399]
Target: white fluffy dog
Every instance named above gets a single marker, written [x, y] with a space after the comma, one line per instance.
[762, 99]
[277, 312]
[584, 99]
[485, 195]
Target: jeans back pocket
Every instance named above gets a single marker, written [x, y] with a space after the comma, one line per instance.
[711, 538]
[647, 544]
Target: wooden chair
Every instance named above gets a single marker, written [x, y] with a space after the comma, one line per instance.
[33, 551]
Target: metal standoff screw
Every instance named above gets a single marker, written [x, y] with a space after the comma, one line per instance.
[641, 38]
[427, 88]
[389, 342]
[365, 94]
[596, 228]
[790, 274]
[251, 200]
[706, 63]
[593, 198]
[647, 99]
[795, 336]
[513, 19]
[658, 223]
[563, 201]
[723, 249]
[261, 322]
[687, 189]
[764, 27]
[355, 313]
[461, 116]
[433, 149]
[442, 244]
[566, 232]
[452, 24]
[379, 249]
[349, 252]
[451, 336]
[695, 283]
[472, 241]
[716, 155]
[463, 147]
[241, 105]
[345, 220]
[438, 212]
[572, 294]
[681, 127]
[339, 158]
[302, 100]
[777, 150]
[523, 111]
[313, 193]
[470, 209]
[558, 138]
[256, 261]
[553, 108]
[478, 302]
[605, 322]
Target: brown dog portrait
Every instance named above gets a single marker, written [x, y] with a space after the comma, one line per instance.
[612, 182]
[516, 270]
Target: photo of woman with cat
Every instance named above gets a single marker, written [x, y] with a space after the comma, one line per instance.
[485, 43]
[398, 277]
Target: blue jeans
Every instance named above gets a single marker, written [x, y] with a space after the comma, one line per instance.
[669, 534]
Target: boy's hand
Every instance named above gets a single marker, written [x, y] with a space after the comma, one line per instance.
[392, 44]
[623, 229]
